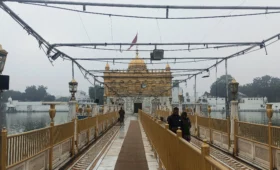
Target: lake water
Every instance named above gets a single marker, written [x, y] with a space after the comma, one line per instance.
[22, 122]
[253, 117]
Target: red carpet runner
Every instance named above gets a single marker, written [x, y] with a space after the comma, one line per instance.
[132, 155]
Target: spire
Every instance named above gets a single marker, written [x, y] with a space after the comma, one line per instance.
[137, 53]
[107, 67]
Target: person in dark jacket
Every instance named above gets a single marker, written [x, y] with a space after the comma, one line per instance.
[174, 120]
[121, 113]
[186, 127]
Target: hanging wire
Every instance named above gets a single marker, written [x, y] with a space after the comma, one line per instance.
[84, 27]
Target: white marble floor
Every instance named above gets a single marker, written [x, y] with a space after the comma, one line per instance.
[109, 159]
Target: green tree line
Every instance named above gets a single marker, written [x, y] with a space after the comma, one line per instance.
[31, 93]
[99, 94]
[265, 86]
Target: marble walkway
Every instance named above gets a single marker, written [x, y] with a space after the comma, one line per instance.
[109, 159]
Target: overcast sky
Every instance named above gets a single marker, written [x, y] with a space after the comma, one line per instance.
[28, 65]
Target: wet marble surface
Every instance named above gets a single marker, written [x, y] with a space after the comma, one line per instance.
[109, 159]
[152, 161]
[85, 161]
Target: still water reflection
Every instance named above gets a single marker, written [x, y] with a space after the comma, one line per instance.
[23, 122]
[253, 117]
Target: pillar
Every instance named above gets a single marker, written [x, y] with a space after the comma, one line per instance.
[198, 109]
[233, 115]
[73, 117]
[269, 113]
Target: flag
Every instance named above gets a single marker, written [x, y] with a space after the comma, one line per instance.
[133, 42]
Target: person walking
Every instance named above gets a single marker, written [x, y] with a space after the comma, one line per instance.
[186, 126]
[121, 114]
[174, 120]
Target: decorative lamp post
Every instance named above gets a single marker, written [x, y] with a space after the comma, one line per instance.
[73, 85]
[3, 57]
[234, 89]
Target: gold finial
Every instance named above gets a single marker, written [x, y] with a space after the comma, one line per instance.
[137, 52]
[107, 67]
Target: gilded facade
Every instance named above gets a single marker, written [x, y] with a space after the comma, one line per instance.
[138, 86]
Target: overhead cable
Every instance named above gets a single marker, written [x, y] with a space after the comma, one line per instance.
[158, 18]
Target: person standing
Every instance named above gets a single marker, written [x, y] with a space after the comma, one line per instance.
[121, 114]
[186, 126]
[174, 120]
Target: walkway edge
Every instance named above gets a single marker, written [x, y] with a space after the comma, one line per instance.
[103, 150]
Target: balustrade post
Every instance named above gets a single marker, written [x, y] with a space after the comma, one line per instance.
[52, 113]
[96, 127]
[198, 109]
[195, 125]
[205, 151]
[235, 138]
[230, 141]
[3, 149]
[179, 135]
[233, 116]
[269, 113]
[73, 140]
[209, 123]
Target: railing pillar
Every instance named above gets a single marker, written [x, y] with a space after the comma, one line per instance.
[230, 141]
[195, 125]
[269, 145]
[233, 115]
[51, 146]
[235, 138]
[73, 140]
[209, 123]
[269, 113]
[179, 135]
[88, 131]
[52, 113]
[3, 149]
[205, 151]
[198, 109]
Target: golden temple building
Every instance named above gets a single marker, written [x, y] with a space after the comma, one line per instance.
[138, 87]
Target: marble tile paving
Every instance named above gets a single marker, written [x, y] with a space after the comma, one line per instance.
[109, 160]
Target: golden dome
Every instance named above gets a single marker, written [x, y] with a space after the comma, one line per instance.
[137, 64]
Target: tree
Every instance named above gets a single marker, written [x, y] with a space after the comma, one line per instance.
[63, 99]
[49, 98]
[218, 88]
[265, 86]
[32, 93]
[99, 93]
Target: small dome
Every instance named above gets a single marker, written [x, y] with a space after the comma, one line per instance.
[167, 68]
[137, 64]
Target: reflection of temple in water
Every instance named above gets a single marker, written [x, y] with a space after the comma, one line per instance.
[137, 87]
